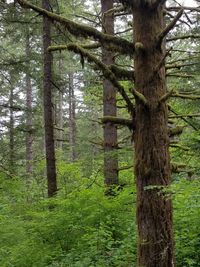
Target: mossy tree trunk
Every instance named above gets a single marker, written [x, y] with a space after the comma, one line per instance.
[152, 162]
[109, 103]
[48, 105]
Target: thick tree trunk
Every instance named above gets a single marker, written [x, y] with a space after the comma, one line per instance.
[72, 118]
[152, 170]
[109, 103]
[48, 105]
[29, 121]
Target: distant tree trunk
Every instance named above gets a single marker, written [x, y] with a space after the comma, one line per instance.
[48, 105]
[152, 161]
[11, 127]
[109, 103]
[72, 118]
[59, 131]
[29, 122]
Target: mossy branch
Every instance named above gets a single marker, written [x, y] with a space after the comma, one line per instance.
[140, 97]
[64, 47]
[53, 48]
[185, 76]
[176, 130]
[123, 168]
[166, 96]
[178, 167]
[190, 97]
[81, 30]
[117, 120]
[179, 146]
[108, 74]
[194, 115]
[122, 73]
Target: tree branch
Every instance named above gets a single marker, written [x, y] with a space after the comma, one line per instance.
[116, 120]
[169, 27]
[175, 38]
[140, 97]
[122, 73]
[166, 96]
[176, 130]
[76, 29]
[108, 74]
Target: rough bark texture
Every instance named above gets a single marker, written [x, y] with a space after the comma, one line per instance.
[29, 121]
[109, 103]
[152, 169]
[48, 105]
[72, 118]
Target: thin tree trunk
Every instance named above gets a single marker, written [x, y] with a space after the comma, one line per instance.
[48, 105]
[109, 104]
[72, 118]
[29, 121]
[60, 112]
[152, 161]
[11, 127]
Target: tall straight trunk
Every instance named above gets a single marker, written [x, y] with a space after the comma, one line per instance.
[60, 112]
[11, 127]
[72, 118]
[109, 103]
[152, 161]
[48, 105]
[29, 121]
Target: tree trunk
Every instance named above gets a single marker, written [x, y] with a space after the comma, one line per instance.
[29, 122]
[72, 118]
[48, 105]
[60, 112]
[11, 126]
[152, 162]
[109, 103]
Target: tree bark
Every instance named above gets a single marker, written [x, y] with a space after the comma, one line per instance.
[29, 121]
[152, 161]
[48, 105]
[109, 103]
[72, 118]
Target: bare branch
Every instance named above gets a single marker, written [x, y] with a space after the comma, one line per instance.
[175, 38]
[169, 27]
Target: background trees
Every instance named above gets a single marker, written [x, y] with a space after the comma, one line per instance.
[85, 227]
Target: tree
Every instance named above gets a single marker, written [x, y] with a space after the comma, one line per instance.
[109, 102]
[29, 120]
[72, 117]
[149, 116]
[47, 98]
